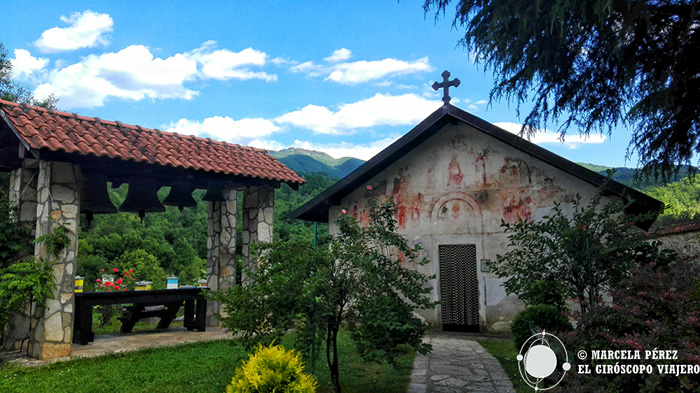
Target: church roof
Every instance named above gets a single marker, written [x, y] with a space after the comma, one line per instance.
[317, 209]
[42, 129]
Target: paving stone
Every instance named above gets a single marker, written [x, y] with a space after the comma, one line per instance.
[123, 343]
[457, 364]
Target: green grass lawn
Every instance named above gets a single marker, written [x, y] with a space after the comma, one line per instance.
[200, 367]
[504, 351]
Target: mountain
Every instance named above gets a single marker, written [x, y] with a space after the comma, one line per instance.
[626, 175]
[302, 160]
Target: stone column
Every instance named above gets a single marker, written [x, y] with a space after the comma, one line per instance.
[221, 249]
[58, 203]
[258, 216]
[22, 195]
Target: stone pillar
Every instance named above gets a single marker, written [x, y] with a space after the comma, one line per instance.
[22, 195]
[258, 216]
[221, 249]
[58, 202]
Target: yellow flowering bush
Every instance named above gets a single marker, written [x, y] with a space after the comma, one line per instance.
[272, 370]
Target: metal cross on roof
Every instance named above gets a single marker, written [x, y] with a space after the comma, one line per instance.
[446, 83]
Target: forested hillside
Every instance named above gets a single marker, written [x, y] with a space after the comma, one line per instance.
[306, 161]
[626, 175]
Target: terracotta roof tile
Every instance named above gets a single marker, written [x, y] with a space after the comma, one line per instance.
[72, 133]
[693, 226]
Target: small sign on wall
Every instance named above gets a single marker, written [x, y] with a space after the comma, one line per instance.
[486, 265]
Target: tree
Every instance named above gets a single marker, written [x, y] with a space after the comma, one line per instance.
[361, 279]
[595, 64]
[586, 251]
[13, 91]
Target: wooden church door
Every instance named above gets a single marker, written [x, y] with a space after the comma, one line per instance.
[459, 288]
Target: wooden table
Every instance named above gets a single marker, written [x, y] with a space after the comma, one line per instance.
[193, 298]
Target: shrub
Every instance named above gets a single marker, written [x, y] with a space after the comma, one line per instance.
[272, 369]
[545, 292]
[537, 318]
[382, 327]
[657, 308]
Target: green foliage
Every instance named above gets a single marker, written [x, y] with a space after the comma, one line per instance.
[178, 240]
[361, 278]
[656, 308]
[56, 240]
[19, 281]
[586, 248]
[272, 369]
[171, 369]
[280, 290]
[12, 235]
[543, 292]
[288, 200]
[571, 59]
[381, 328]
[535, 319]
[22, 279]
[633, 177]
[681, 199]
[144, 265]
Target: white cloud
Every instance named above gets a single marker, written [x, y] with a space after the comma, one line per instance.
[339, 55]
[380, 110]
[363, 151]
[351, 73]
[280, 61]
[309, 68]
[224, 64]
[267, 144]
[244, 131]
[546, 136]
[364, 71]
[132, 73]
[24, 64]
[85, 30]
[474, 107]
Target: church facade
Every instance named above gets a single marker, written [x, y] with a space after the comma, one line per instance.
[454, 179]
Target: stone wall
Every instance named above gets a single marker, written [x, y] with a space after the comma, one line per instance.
[685, 244]
[258, 217]
[58, 203]
[221, 249]
[258, 212]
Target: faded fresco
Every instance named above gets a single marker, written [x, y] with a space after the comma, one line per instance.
[458, 188]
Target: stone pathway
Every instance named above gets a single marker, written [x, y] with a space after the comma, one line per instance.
[457, 364]
[124, 343]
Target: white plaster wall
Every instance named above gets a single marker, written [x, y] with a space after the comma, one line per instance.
[456, 188]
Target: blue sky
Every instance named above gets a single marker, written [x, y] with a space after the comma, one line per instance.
[347, 78]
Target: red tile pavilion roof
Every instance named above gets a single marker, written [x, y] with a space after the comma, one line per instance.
[58, 131]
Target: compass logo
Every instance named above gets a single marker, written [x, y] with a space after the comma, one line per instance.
[544, 356]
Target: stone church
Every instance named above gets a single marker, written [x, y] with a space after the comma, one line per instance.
[454, 179]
